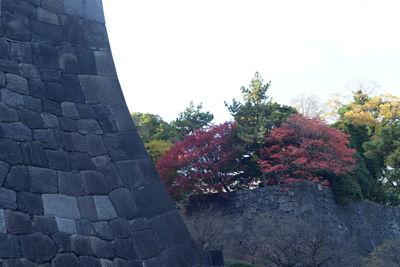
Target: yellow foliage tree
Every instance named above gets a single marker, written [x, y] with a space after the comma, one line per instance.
[376, 112]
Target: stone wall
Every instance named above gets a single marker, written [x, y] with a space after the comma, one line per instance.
[76, 185]
[357, 228]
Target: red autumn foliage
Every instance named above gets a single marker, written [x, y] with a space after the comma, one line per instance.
[203, 162]
[303, 148]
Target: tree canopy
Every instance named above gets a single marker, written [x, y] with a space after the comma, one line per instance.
[203, 162]
[303, 148]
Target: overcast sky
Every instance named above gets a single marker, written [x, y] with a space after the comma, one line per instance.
[168, 52]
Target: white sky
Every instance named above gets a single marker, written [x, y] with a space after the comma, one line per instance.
[168, 52]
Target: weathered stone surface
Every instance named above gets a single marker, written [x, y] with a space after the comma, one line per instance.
[33, 154]
[8, 199]
[11, 98]
[30, 203]
[16, 131]
[87, 208]
[70, 184]
[101, 248]
[62, 241]
[120, 228]
[17, 84]
[21, 52]
[31, 119]
[81, 245]
[65, 260]
[58, 159]
[18, 263]
[89, 261]
[38, 248]
[104, 208]
[94, 182]
[124, 203]
[69, 110]
[45, 224]
[29, 71]
[3, 228]
[42, 180]
[9, 246]
[16, 27]
[61, 206]
[103, 230]
[85, 227]
[124, 248]
[18, 222]
[17, 178]
[66, 225]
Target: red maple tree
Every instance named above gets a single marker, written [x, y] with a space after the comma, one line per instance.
[303, 148]
[203, 162]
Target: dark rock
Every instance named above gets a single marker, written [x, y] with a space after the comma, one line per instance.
[89, 261]
[42, 180]
[21, 52]
[62, 241]
[85, 227]
[87, 208]
[8, 199]
[46, 138]
[61, 206]
[45, 56]
[124, 203]
[16, 26]
[64, 140]
[52, 107]
[30, 203]
[67, 125]
[94, 182]
[16, 131]
[124, 248]
[45, 224]
[103, 230]
[120, 228]
[65, 260]
[94, 145]
[18, 263]
[31, 119]
[36, 247]
[72, 89]
[17, 178]
[81, 245]
[33, 104]
[9, 247]
[81, 161]
[55, 92]
[101, 248]
[70, 184]
[33, 154]
[18, 222]
[86, 60]
[58, 160]
[46, 33]
[10, 152]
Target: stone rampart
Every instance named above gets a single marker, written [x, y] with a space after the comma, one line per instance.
[76, 185]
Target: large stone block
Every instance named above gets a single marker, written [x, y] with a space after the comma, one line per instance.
[9, 247]
[42, 180]
[104, 208]
[18, 222]
[61, 206]
[8, 199]
[38, 248]
[124, 203]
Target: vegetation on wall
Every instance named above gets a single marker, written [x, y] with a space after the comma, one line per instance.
[358, 154]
